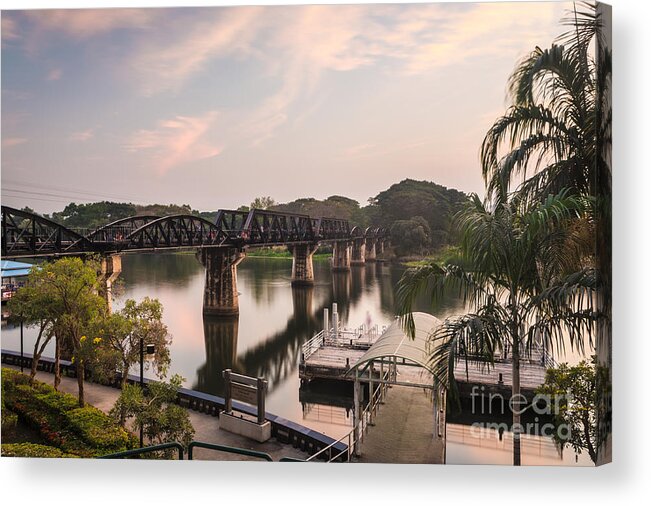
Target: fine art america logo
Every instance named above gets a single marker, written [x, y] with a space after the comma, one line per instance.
[540, 406]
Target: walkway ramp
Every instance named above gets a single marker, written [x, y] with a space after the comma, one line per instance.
[403, 430]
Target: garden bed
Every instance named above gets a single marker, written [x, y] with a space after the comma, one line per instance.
[59, 421]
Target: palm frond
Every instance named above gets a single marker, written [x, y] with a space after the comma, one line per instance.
[471, 337]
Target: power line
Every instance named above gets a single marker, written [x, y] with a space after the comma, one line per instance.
[67, 190]
[37, 198]
[63, 197]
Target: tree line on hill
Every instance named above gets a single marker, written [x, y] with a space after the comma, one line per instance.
[417, 213]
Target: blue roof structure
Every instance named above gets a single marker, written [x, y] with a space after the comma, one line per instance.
[11, 269]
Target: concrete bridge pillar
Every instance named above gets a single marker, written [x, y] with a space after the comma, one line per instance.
[302, 266]
[358, 251]
[379, 247]
[371, 254]
[341, 256]
[110, 269]
[220, 292]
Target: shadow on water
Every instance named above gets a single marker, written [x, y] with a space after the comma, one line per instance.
[177, 269]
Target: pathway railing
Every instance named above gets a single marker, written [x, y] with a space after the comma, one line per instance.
[227, 449]
[356, 435]
[190, 451]
[143, 451]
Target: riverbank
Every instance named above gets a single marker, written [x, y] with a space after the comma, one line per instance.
[440, 257]
[289, 439]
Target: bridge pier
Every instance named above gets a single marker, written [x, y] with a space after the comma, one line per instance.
[303, 302]
[302, 266]
[110, 269]
[341, 256]
[220, 292]
[358, 251]
[371, 254]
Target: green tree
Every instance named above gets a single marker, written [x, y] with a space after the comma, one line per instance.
[410, 199]
[517, 270]
[572, 393]
[34, 305]
[550, 137]
[94, 214]
[411, 236]
[156, 411]
[67, 292]
[262, 203]
[121, 332]
[335, 206]
[558, 134]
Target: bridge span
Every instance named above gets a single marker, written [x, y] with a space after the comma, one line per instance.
[220, 246]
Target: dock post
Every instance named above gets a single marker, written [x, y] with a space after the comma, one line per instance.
[356, 415]
[394, 369]
[371, 405]
[326, 321]
[335, 320]
[435, 402]
[383, 385]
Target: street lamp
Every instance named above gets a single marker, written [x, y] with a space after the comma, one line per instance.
[151, 349]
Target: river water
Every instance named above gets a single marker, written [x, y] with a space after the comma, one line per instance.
[275, 319]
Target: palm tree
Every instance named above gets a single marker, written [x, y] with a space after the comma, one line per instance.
[559, 120]
[557, 134]
[517, 270]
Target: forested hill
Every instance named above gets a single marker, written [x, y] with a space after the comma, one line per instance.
[418, 213]
[98, 214]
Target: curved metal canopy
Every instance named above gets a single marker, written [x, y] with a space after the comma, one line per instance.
[395, 343]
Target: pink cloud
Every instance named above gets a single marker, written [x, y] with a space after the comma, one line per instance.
[354, 151]
[9, 29]
[175, 141]
[165, 63]
[54, 75]
[85, 23]
[83, 135]
[13, 141]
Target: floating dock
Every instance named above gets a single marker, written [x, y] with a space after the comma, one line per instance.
[330, 354]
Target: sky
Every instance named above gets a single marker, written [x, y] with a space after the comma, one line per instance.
[214, 106]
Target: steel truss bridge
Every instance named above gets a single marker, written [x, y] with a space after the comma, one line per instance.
[28, 235]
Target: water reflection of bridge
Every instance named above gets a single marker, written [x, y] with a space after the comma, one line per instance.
[276, 358]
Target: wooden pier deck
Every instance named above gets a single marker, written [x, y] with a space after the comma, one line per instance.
[329, 357]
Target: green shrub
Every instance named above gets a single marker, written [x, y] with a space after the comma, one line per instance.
[9, 418]
[97, 429]
[9, 421]
[33, 450]
[85, 432]
[57, 401]
[14, 377]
